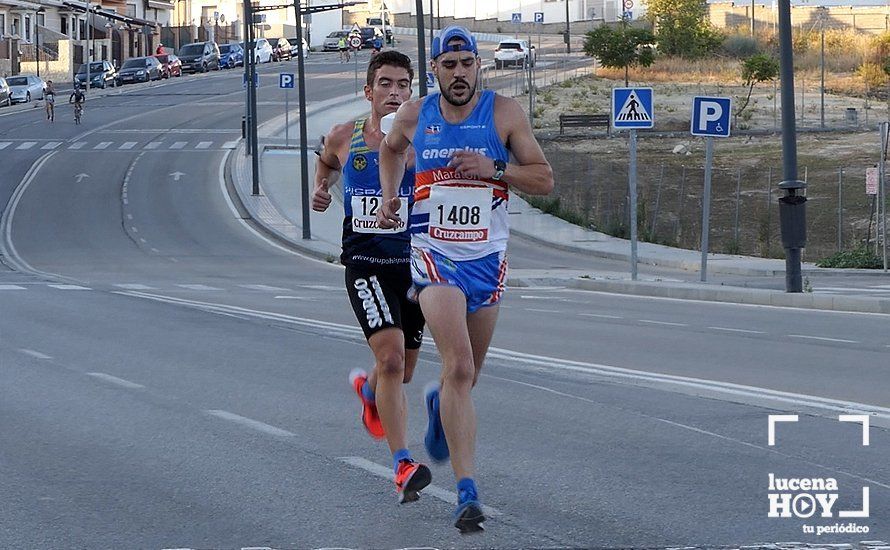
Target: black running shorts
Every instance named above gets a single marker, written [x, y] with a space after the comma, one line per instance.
[379, 298]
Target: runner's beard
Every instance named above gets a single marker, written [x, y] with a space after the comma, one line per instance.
[460, 103]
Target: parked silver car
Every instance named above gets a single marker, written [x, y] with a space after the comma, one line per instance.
[25, 88]
[331, 41]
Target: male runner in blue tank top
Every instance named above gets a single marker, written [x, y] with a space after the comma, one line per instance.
[378, 275]
[470, 147]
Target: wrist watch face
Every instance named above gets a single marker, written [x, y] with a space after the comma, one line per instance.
[500, 165]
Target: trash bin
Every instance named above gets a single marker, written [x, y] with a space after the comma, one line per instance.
[793, 221]
[852, 115]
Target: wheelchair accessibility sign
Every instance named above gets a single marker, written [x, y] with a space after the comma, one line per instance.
[632, 108]
[711, 116]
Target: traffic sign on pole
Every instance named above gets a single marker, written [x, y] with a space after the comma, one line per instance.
[256, 81]
[286, 80]
[711, 116]
[539, 17]
[517, 18]
[355, 41]
[430, 79]
[632, 108]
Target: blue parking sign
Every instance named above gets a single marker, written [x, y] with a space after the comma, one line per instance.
[539, 17]
[286, 80]
[711, 116]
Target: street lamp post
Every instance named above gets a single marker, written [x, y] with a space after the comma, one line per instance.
[37, 39]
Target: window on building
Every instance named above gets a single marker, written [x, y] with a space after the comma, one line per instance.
[27, 28]
[41, 19]
[82, 29]
[2, 24]
[63, 25]
[16, 26]
[131, 10]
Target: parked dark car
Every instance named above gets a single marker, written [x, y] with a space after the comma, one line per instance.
[199, 57]
[231, 56]
[5, 94]
[280, 49]
[139, 69]
[170, 65]
[102, 75]
[368, 34]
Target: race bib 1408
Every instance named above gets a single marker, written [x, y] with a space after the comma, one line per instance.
[460, 214]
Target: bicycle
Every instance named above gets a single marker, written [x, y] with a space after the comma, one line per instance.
[78, 112]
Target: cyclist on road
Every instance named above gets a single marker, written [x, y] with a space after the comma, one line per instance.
[77, 97]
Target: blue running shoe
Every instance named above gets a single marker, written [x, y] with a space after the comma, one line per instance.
[434, 440]
[468, 516]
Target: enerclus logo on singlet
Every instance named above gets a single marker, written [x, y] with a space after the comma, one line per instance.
[448, 152]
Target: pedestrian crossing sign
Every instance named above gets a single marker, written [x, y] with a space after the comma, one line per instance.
[632, 108]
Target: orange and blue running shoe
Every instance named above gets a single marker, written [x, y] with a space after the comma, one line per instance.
[411, 477]
[370, 417]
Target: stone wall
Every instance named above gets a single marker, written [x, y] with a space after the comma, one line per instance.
[59, 70]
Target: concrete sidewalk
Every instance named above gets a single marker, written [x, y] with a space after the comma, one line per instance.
[278, 210]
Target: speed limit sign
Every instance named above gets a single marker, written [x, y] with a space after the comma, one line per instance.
[355, 42]
[628, 5]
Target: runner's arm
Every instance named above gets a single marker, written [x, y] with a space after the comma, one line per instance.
[393, 158]
[328, 164]
[529, 170]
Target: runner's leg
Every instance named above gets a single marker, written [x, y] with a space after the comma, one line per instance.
[386, 380]
[481, 325]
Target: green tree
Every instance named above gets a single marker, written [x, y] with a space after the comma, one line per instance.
[757, 68]
[620, 47]
[682, 27]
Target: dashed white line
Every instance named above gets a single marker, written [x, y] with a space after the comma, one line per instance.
[78, 145]
[26, 145]
[250, 423]
[304, 298]
[264, 287]
[127, 145]
[11, 287]
[102, 145]
[5, 144]
[133, 286]
[134, 230]
[544, 310]
[741, 330]
[154, 145]
[142, 240]
[601, 316]
[69, 287]
[36, 354]
[179, 145]
[51, 145]
[129, 216]
[204, 145]
[823, 339]
[199, 287]
[386, 473]
[651, 322]
[115, 380]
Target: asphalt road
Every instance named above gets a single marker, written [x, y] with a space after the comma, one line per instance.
[168, 379]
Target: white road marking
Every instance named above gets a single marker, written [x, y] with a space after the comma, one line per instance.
[544, 310]
[387, 473]
[4, 145]
[103, 145]
[155, 250]
[250, 423]
[26, 145]
[204, 145]
[304, 298]
[878, 289]
[651, 322]
[154, 145]
[133, 286]
[230, 145]
[823, 339]
[142, 240]
[127, 145]
[78, 145]
[179, 145]
[129, 216]
[264, 287]
[51, 145]
[601, 316]
[69, 287]
[134, 230]
[36, 354]
[742, 330]
[527, 297]
[199, 287]
[115, 380]
[11, 287]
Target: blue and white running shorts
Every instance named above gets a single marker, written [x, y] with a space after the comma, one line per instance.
[481, 280]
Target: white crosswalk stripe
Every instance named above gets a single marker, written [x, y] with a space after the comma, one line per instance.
[103, 145]
[264, 287]
[204, 145]
[26, 145]
[4, 145]
[230, 145]
[78, 145]
[179, 145]
[51, 145]
[134, 286]
[69, 287]
[199, 287]
[154, 145]
[11, 287]
[128, 145]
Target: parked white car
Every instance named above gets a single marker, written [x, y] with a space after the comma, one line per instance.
[514, 52]
[24, 89]
[262, 52]
[293, 47]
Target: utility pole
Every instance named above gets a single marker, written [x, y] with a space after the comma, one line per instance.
[304, 148]
[822, 69]
[421, 48]
[792, 206]
[89, 43]
[568, 30]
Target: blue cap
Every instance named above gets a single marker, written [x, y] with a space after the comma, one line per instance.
[440, 43]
